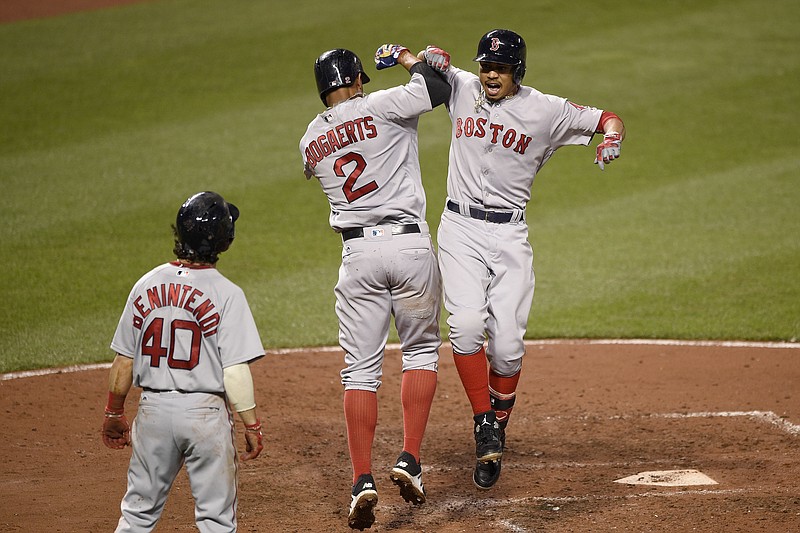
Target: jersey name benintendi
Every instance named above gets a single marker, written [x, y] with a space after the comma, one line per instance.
[364, 153]
[180, 296]
[496, 149]
[183, 326]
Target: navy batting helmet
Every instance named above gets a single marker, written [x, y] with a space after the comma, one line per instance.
[504, 47]
[204, 227]
[337, 68]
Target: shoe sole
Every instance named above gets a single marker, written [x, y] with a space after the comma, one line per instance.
[363, 514]
[408, 490]
[489, 457]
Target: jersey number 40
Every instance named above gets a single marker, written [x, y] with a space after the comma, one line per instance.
[152, 343]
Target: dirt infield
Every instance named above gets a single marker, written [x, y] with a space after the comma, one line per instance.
[587, 414]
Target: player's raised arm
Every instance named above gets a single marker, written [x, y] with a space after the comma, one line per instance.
[436, 57]
[389, 55]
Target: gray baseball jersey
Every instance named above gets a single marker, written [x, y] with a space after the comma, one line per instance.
[496, 149]
[182, 326]
[364, 153]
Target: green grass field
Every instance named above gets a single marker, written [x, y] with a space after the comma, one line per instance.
[110, 119]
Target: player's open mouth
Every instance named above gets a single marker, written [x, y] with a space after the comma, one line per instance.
[492, 89]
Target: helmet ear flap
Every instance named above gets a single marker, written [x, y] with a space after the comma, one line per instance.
[519, 73]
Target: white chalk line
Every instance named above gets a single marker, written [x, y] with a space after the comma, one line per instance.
[553, 502]
[542, 342]
[765, 416]
[768, 417]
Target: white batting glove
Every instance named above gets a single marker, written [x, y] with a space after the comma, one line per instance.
[437, 58]
[386, 56]
[608, 150]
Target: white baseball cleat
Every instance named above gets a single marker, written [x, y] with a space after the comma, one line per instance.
[407, 474]
[362, 506]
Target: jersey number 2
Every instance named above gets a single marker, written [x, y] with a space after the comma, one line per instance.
[153, 348]
[349, 192]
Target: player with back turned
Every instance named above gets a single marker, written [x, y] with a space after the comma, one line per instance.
[502, 133]
[186, 337]
[363, 151]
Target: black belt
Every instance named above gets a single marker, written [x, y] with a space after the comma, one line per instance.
[397, 229]
[497, 217]
[148, 389]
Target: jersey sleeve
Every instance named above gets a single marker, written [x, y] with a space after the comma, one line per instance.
[572, 123]
[403, 102]
[237, 337]
[124, 340]
[461, 83]
[126, 335]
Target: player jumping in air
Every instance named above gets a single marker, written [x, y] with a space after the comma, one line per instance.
[363, 151]
[502, 133]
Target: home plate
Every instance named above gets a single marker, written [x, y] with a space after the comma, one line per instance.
[668, 478]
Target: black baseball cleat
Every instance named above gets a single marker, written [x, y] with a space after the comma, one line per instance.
[407, 474]
[486, 474]
[362, 506]
[488, 437]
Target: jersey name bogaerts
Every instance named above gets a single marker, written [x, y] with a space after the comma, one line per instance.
[364, 152]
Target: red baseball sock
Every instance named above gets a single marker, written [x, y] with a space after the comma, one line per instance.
[503, 391]
[473, 371]
[361, 416]
[416, 394]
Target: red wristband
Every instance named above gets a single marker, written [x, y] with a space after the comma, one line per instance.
[255, 428]
[116, 404]
[605, 117]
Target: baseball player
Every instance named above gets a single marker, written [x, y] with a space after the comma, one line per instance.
[186, 337]
[363, 151]
[502, 133]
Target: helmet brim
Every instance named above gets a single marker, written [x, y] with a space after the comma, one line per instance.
[502, 60]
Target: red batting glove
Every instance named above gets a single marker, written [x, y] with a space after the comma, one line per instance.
[608, 150]
[437, 58]
[253, 438]
[116, 430]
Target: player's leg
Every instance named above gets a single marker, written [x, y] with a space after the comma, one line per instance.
[205, 432]
[363, 307]
[510, 295]
[466, 277]
[465, 250]
[155, 462]
[416, 302]
[416, 299]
